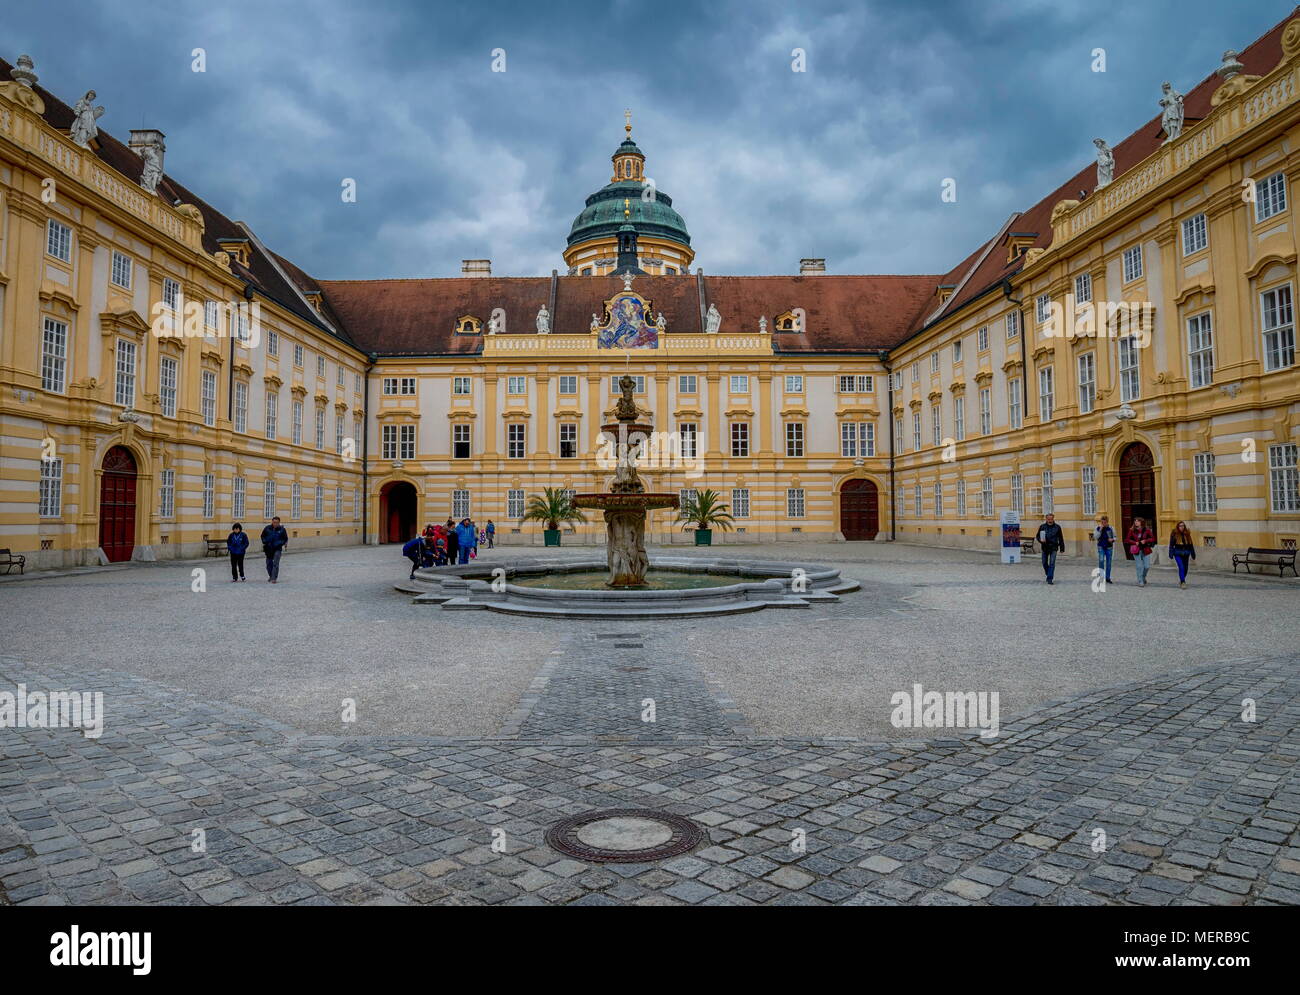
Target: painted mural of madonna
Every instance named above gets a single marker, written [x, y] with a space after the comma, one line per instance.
[628, 328]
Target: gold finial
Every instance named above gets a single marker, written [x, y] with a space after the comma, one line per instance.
[628, 115]
[626, 212]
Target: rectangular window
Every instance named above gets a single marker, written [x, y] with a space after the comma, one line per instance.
[568, 386]
[568, 440]
[51, 500]
[1043, 307]
[356, 383]
[1207, 488]
[961, 499]
[936, 424]
[916, 430]
[1200, 350]
[338, 434]
[686, 383]
[986, 410]
[460, 441]
[986, 497]
[898, 433]
[1279, 328]
[58, 240]
[638, 388]
[896, 380]
[406, 442]
[855, 384]
[1048, 496]
[395, 386]
[341, 381]
[982, 339]
[459, 504]
[167, 386]
[916, 500]
[515, 440]
[516, 385]
[857, 439]
[167, 494]
[794, 438]
[515, 504]
[794, 502]
[916, 373]
[295, 501]
[208, 397]
[297, 354]
[241, 406]
[934, 362]
[1083, 288]
[121, 272]
[356, 504]
[1132, 263]
[124, 392]
[1270, 197]
[320, 367]
[690, 438]
[740, 502]
[338, 503]
[956, 351]
[1195, 235]
[1046, 393]
[1087, 382]
[171, 294]
[272, 343]
[1014, 412]
[239, 493]
[1089, 477]
[1035, 502]
[320, 428]
[319, 509]
[959, 418]
[1017, 492]
[460, 386]
[686, 496]
[938, 499]
[794, 384]
[739, 438]
[738, 384]
[1013, 324]
[209, 495]
[1130, 384]
[54, 355]
[211, 314]
[272, 413]
[297, 423]
[1284, 477]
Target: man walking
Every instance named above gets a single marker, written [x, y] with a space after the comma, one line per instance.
[1104, 536]
[274, 539]
[491, 534]
[1052, 541]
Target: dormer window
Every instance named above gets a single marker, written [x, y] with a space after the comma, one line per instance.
[238, 249]
[1018, 243]
[468, 325]
[787, 322]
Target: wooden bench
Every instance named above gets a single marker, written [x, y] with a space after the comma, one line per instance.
[1280, 558]
[216, 547]
[1027, 545]
[8, 560]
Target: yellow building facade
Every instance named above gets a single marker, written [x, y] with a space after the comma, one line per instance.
[1130, 351]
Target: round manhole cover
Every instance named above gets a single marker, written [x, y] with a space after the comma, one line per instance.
[624, 835]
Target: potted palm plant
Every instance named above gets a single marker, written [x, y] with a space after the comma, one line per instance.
[705, 511]
[553, 507]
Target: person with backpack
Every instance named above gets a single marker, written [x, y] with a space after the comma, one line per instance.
[1052, 541]
[1104, 536]
[1140, 541]
[274, 539]
[1181, 550]
[237, 546]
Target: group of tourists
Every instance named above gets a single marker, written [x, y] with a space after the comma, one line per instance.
[1139, 540]
[274, 539]
[440, 545]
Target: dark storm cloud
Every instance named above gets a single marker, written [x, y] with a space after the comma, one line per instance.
[767, 165]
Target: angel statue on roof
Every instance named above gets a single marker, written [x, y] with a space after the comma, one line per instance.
[85, 114]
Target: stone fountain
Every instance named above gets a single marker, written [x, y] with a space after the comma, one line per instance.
[628, 500]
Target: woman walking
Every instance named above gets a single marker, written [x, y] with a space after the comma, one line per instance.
[237, 545]
[1181, 550]
[1104, 536]
[1140, 540]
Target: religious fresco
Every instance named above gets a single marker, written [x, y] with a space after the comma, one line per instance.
[626, 324]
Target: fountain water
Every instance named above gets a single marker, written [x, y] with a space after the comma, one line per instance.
[627, 500]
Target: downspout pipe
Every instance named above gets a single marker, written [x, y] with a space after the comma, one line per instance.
[365, 455]
[889, 429]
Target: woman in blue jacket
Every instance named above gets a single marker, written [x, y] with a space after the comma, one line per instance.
[237, 545]
[1181, 549]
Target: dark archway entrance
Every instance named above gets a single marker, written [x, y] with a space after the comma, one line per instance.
[1137, 488]
[859, 509]
[397, 511]
[117, 505]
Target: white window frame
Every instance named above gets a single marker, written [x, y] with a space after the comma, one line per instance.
[1206, 484]
[209, 495]
[794, 383]
[1086, 369]
[796, 504]
[1083, 288]
[459, 429]
[58, 240]
[1018, 492]
[124, 375]
[318, 506]
[1200, 350]
[1277, 321]
[959, 417]
[1129, 366]
[961, 498]
[794, 439]
[295, 502]
[517, 386]
[516, 440]
[208, 397]
[320, 428]
[1133, 263]
[1013, 324]
[168, 374]
[51, 488]
[982, 339]
[1048, 493]
[986, 497]
[167, 493]
[986, 411]
[568, 436]
[121, 270]
[689, 435]
[1046, 393]
[1196, 234]
[739, 435]
[241, 406]
[1284, 478]
[1088, 479]
[737, 383]
[272, 413]
[568, 385]
[740, 504]
[460, 503]
[54, 355]
[1270, 196]
[297, 422]
[238, 497]
[515, 503]
[687, 383]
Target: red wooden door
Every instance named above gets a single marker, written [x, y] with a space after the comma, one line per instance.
[859, 510]
[1137, 489]
[117, 505]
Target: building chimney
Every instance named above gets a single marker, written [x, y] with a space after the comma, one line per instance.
[812, 267]
[476, 267]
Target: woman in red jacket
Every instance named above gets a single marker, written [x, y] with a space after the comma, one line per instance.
[1140, 540]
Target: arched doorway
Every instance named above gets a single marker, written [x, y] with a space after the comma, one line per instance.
[1137, 488]
[117, 505]
[859, 509]
[397, 511]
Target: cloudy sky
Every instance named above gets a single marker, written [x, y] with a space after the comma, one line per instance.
[767, 165]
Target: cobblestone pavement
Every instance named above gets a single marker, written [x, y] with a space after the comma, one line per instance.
[1155, 793]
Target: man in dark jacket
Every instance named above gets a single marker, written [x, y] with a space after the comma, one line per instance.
[453, 542]
[237, 546]
[274, 539]
[414, 551]
[1052, 541]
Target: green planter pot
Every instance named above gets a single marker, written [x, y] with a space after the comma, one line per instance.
[704, 537]
[550, 537]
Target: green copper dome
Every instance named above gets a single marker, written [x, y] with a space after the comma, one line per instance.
[603, 215]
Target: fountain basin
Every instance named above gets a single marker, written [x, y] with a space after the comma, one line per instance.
[625, 502]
